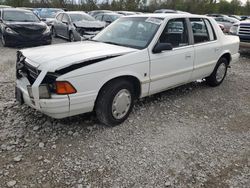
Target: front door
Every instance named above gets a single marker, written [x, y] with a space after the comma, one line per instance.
[172, 67]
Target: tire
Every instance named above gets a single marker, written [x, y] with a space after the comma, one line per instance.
[4, 43]
[219, 73]
[53, 30]
[71, 37]
[115, 102]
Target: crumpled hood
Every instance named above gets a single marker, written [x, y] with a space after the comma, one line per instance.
[56, 57]
[89, 24]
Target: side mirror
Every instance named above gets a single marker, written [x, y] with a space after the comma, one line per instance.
[43, 19]
[159, 47]
[1, 21]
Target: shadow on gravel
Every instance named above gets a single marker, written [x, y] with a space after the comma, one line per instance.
[172, 94]
[245, 53]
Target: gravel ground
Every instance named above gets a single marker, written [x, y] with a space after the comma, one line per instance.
[191, 136]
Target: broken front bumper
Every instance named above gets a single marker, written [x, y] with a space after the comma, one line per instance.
[57, 106]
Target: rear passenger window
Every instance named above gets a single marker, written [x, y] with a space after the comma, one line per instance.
[98, 17]
[175, 33]
[200, 30]
[59, 17]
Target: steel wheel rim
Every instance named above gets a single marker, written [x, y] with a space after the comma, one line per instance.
[121, 104]
[221, 71]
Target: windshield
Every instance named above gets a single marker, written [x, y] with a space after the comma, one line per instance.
[49, 13]
[134, 32]
[80, 17]
[20, 16]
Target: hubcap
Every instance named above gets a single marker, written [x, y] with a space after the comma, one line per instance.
[221, 71]
[121, 104]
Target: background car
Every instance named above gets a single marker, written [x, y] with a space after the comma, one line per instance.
[226, 21]
[48, 15]
[169, 11]
[4, 6]
[126, 13]
[76, 26]
[18, 26]
[95, 12]
[108, 18]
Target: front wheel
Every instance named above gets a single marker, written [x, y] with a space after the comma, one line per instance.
[115, 102]
[4, 43]
[219, 73]
[71, 37]
[53, 30]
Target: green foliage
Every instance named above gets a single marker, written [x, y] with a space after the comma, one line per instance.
[192, 6]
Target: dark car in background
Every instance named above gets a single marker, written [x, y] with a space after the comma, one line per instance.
[108, 18]
[95, 12]
[18, 27]
[48, 14]
[76, 26]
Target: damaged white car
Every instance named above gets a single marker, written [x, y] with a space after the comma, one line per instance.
[134, 57]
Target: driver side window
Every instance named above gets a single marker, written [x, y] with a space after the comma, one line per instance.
[175, 33]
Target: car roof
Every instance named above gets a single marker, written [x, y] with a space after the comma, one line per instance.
[163, 15]
[16, 9]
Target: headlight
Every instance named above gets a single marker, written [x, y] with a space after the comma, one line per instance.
[47, 30]
[234, 29]
[9, 30]
[43, 91]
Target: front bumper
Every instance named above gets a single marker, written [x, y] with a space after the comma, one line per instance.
[56, 107]
[16, 39]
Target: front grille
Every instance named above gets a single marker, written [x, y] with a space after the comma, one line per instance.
[32, 72]
[88, 31]
[244, 29]
[24, 69]
[30, 32]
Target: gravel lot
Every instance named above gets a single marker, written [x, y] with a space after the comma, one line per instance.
[191, 136]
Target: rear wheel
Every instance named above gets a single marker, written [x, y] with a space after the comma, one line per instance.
[219, 73]
[115, 102]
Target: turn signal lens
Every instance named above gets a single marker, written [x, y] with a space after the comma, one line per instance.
[64, 88]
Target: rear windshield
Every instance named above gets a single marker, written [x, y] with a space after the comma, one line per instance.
[20, 16]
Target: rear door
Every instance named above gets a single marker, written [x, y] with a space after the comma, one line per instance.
[206, 47]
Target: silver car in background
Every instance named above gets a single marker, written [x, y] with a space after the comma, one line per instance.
[76, 26]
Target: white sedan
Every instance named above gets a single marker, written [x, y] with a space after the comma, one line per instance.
[134, 57]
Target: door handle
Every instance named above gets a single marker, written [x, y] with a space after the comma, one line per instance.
[188, 56]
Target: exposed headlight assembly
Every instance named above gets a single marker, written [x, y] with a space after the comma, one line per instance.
[47, 30]
[10, 31]
[43, 91]
[234, 29]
